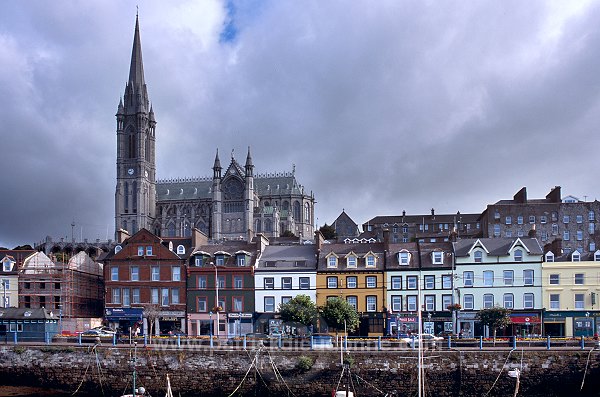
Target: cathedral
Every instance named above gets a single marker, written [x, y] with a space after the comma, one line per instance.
[235, 203]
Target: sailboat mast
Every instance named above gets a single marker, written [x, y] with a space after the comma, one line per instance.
[134, 362]
[419, 339]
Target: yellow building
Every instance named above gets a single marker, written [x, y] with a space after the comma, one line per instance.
[570, 288]
[354, 271]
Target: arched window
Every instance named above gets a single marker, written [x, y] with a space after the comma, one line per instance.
[126, 198]
[134, 196]
[268, 225]
[124, 225]
[258, 226]
[180, 249]
[518, 255]
[117, 249]
[307, 212]
[131, 149]
[172, 230]
[297, 211]
[133, 227]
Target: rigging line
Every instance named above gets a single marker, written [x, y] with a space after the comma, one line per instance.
[277, 373]
[340, 380]
[369, 384]
[501, 369]
[586, 368]
[84, 374]
[99, 371]
[252, 364]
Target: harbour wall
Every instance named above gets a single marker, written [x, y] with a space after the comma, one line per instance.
[107, 370]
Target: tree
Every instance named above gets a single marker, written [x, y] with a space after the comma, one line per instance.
[300, 309]
[328, 232]
[23, 247]
[288, 233]
[151, 312]
[337, 311]
[494, 317]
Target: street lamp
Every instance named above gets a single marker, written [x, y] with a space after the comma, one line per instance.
[211, 325]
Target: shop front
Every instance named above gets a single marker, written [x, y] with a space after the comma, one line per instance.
[402, 324]
[239, 324]
[466, 324]
[437, 323]
[205, 324]
[572, 323]
[171, 322]
[123, 318]
[525, 324]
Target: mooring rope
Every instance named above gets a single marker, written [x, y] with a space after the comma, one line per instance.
[252, 365]
[586, 368]
[85, 372]
[501, 369]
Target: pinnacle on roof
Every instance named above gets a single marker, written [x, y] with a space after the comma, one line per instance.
[217, 162]
[249, 159]
[136, 70]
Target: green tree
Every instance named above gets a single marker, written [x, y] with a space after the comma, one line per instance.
[328, 232]
[300, 309]
[337, 311]
[495, 317]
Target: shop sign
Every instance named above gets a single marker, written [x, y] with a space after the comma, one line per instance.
[173, 313]
[237, 315]
[407, 319]
[119, 313]
[526, 319]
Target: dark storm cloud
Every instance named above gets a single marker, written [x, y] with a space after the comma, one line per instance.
[381, 106]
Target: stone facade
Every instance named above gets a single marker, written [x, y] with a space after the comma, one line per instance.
[448, 373]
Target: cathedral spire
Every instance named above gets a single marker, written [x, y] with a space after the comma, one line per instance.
[217, 166]
[136, 70]
[249, 166]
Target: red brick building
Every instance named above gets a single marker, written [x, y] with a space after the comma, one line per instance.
[145, 274]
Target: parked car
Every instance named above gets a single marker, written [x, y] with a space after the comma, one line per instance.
[97, 333]
[428, 339]
[104, 329]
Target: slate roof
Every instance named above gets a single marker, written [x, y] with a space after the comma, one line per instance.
[497, 246]
[288, 257]
[416, 219]
[14, 313]
[360, 249]
[392, 259]
[201, 188]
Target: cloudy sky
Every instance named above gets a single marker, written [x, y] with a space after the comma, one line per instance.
[383, 106]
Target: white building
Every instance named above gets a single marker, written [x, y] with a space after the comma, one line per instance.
[282, 272]
[504, 272]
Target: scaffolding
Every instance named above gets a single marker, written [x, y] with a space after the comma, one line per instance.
[72, 287]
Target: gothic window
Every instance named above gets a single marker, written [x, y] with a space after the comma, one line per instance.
[306, 212]
[126, 197]
[233, 189]
[124, 226]
[134, 197]
[131, 152]
[172, 230]
[133, 227]
[258, 226]
[147, 154]
[285, 205]
[268, 225]
[297, 210]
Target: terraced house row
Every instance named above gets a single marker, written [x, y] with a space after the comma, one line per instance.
[231, 288]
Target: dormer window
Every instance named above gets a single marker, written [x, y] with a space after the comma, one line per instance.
[576, 257]
[518, 255]
[370, 261]
[220, 259]
[437, 257]
[118, 249]
[149, 250]
[180, 250]
[549, 256]
[351, 261]
[199, 261]
[478, 256]
[7, 265]
[332, 261]
[403, 258]
[141, 250]
[241, 260]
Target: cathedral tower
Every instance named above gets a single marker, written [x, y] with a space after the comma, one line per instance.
[135, 195]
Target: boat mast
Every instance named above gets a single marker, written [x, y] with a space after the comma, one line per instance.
[134, 362]
[419, 339]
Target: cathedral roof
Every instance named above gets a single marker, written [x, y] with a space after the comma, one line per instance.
[201, 188]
